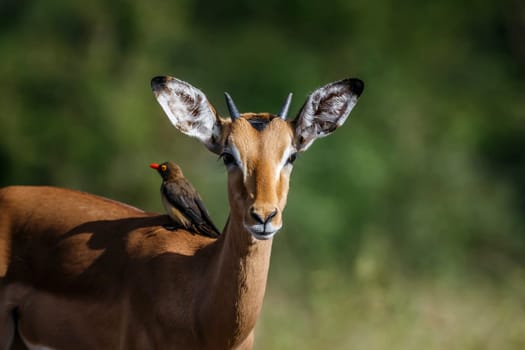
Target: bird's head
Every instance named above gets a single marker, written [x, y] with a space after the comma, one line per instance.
[168, 170]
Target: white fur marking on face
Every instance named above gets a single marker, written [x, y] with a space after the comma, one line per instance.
[262, 232]
[237, 155]
[284, 159]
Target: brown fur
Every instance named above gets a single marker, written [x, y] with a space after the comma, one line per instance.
[86, 272]
[109, 276]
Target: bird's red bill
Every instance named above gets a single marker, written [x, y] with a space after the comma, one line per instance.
[154, 166]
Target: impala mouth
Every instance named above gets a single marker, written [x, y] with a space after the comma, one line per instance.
[262, 232]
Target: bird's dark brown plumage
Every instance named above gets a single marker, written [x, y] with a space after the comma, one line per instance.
[182, 201]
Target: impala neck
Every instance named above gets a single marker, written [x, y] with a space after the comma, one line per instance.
[239, 282]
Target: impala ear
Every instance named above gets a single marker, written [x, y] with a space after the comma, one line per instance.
[189, 110]
[325, 110]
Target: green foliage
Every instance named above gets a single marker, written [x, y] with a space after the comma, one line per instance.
[425, 182]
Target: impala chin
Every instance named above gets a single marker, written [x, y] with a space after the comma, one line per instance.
[262, 232]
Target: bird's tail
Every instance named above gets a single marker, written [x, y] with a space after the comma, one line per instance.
[207, 230]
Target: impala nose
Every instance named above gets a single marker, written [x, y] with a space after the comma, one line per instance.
[262, 216]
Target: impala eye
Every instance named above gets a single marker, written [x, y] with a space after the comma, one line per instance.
[228, 159]
[292, 158]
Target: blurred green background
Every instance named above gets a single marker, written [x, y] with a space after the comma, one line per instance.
[404, 230]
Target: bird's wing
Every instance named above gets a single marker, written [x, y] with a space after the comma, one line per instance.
[206, 216]
[188, 202]
[183, 201]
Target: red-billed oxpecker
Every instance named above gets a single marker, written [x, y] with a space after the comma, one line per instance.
[182, 202]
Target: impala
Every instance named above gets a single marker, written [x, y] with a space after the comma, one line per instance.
[78, 271]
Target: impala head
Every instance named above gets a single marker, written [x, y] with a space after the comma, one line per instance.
[258, 149]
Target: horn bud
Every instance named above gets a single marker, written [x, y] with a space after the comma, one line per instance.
[234, 112]
[286, 106]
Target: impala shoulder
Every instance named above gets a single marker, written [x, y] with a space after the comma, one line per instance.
[156, 239]
[9, 192]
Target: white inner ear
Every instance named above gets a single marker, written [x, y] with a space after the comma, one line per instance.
[188, 110]
[337, 109]
[326, 109]
[320, 110]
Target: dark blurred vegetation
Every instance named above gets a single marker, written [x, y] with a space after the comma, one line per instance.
[405, 229]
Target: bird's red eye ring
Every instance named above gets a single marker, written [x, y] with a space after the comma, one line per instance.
[163, 167]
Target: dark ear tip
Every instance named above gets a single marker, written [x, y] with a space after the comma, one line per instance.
[356, 85]
[158, 82]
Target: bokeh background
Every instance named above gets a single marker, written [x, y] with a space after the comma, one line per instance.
[404, 230]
